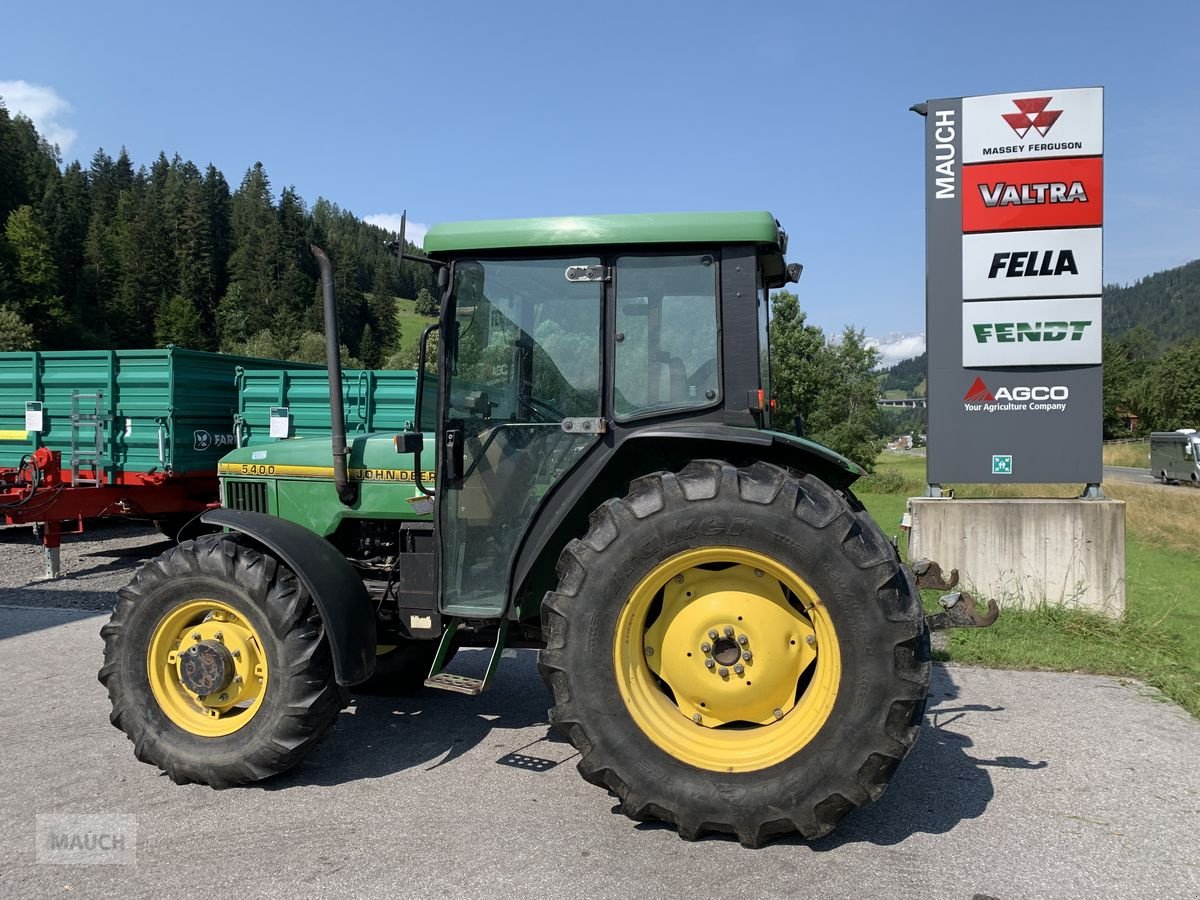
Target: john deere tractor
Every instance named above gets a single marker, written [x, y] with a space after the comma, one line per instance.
[730, 641]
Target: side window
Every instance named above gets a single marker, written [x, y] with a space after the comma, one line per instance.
[667, 346]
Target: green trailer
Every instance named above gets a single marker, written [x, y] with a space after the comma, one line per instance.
[91, 433]
[297, 399]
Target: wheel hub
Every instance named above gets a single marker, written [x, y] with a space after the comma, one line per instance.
[206, 667]
[726, 651]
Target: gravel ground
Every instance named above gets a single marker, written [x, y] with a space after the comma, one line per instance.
[1023, 784]
[93, 564]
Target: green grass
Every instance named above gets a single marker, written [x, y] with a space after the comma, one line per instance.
[1158, 638]
[411, 325]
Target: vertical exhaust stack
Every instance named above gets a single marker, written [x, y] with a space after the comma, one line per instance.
[333, 355]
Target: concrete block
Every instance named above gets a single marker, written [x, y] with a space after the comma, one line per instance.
[1024, 552]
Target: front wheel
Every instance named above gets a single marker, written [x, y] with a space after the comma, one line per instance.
[736, 650]
[216, 665]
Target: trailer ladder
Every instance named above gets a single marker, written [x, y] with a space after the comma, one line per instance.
[87, 451]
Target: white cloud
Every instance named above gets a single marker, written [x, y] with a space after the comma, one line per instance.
[414, 232]
[43, 106]
[897, 347]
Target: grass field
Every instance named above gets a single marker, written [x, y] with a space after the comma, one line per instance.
[1157, 640]
[1135, 455]
[411, 325]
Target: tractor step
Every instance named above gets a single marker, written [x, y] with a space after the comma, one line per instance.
[460, 684]
[463, 684]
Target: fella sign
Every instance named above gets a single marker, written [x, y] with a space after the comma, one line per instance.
[1014, 261]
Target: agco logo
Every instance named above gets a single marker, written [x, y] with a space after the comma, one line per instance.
[1033, 115]
[1039, 398]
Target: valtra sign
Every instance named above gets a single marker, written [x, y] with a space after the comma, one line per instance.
[1054, 194]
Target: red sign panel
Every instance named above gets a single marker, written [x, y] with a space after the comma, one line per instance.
[1041, 193]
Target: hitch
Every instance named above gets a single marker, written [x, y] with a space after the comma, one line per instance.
[929, 576]
[961, 611]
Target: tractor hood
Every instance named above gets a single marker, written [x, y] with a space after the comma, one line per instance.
[373, 457]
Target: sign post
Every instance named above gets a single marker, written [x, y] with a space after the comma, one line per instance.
[1014, 274]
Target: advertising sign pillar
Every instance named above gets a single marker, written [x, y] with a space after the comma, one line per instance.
[1014, 273]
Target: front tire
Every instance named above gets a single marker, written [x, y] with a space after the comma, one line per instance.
[801, 707]
[216, 665]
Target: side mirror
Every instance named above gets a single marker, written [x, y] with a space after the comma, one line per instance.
[793, 272]
[409, 442]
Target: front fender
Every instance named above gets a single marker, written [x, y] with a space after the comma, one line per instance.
[332, 582]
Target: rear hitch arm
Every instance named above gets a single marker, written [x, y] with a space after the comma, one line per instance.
[961, 611]
[930, 577]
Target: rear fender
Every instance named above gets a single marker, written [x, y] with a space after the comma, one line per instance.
[331, 581]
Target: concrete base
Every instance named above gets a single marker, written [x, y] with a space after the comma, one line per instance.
[1025, 552]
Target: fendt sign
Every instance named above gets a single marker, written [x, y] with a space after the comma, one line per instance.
[1014, 246]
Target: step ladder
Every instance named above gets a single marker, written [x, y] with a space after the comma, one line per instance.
[88, 420]
[462, 684]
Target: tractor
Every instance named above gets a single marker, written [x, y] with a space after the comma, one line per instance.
[730, 641]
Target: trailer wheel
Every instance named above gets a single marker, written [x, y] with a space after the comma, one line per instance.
[736, 650]
[216, 665]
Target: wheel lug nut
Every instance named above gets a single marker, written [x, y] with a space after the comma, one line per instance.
[778, 713]
[195, 635]
[708, 663]
[743, 640]
[811, 641]
[713, 634]
[747, 655]
[722, 671]
[697, 718]
[223, 697]
[649, 651]
[739, 668]
[220, 637]
[237, 654]
[705, 647]
[728, 631]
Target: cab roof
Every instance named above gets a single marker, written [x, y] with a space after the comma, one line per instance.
[757, 227]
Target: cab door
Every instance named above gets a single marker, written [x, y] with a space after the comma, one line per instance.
[521, 399]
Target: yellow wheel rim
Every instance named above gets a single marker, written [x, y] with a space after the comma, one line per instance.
[213, 631]
[751, 696]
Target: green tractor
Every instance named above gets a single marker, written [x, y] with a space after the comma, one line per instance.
[730, 641]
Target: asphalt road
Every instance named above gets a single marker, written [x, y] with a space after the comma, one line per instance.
[1022, 785]
[1125, 473]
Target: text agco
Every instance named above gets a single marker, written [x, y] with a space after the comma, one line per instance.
[1039, 392]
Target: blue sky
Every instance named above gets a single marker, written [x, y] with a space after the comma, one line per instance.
[481, 110]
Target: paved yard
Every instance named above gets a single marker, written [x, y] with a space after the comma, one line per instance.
[1022, 785]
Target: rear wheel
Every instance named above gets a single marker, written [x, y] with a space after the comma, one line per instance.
[736, 650]
[216, 665]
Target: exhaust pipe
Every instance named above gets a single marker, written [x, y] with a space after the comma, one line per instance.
[333, 356]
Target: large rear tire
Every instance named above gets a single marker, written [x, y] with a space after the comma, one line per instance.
[736, 650]
[216, 665]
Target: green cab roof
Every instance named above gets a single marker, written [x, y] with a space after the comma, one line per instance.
[572, 231]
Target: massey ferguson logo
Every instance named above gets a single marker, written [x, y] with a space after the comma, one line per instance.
[1037, 398]
[1033, 115]
[1003, 194]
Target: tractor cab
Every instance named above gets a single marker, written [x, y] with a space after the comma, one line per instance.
[561, 339]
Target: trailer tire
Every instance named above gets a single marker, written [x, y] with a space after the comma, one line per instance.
[272, 698]
[775, 556]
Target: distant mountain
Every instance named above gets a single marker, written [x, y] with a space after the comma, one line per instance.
[907, 376]
[1167, 303]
